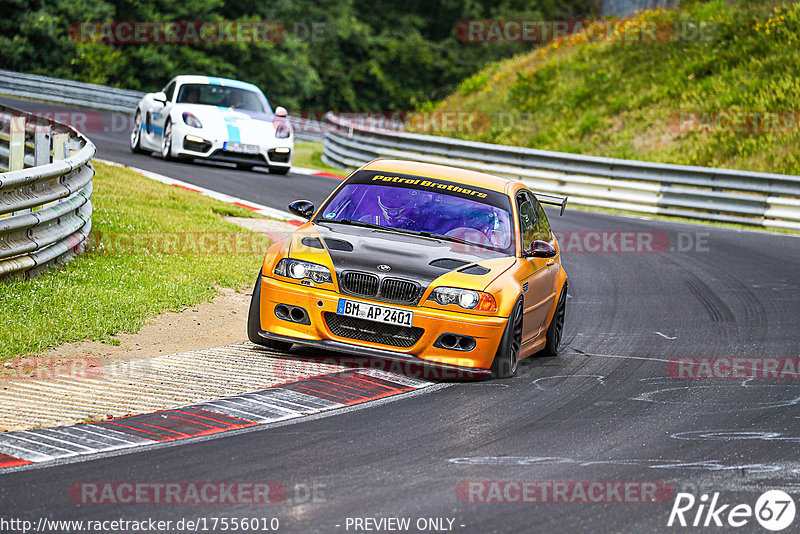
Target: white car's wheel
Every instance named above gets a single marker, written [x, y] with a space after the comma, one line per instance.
[136, 134]
[166, 141]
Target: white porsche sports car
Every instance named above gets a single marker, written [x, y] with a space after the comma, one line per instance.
[215, 119]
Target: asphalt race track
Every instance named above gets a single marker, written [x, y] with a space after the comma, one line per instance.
[607, 409]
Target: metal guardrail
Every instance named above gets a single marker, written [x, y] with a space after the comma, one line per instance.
[45, 190]
[722, 195]
[101, 97]
[81, 94]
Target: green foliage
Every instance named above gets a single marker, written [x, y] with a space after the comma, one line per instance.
[625, 98]
[474, 83]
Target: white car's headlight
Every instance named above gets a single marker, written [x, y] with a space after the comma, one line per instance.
[191, 120]
[301, 270]
[465, 298]
[282, 130]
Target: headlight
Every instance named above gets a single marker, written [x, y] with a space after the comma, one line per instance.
[465, 298]
[191, 120]
[282, 130]
[300, 270]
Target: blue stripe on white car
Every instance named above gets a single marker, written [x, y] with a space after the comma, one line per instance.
[233, 130]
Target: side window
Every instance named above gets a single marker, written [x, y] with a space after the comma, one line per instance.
[542, 224]
[169, 90]
[527, 219]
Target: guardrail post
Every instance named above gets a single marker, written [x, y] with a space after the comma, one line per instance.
[72, 148]
[59, 146]
[16, 148]
[16, 144]
[41, 145]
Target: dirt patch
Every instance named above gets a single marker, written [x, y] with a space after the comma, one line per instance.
[208, 324]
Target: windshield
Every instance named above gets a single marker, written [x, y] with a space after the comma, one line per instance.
[477, 216]
[218, 95]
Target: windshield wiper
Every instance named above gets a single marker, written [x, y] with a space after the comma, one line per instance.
[366, 224]
[461, 241]
[352, 222]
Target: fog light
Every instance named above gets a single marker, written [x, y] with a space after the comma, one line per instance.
[282, 150]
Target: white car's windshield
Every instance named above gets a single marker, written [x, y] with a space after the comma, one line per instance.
[413, 203]
[219, 95]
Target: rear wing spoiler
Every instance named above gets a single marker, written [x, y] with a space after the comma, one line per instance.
[553, 200]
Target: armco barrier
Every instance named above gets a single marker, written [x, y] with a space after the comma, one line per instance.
[722, 195]
[86, 95]
[45, 190]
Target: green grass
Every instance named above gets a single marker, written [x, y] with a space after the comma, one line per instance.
[309, 154]
[132, 271]
[621, 98]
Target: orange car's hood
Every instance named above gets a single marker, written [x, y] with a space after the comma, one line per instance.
[392, 254]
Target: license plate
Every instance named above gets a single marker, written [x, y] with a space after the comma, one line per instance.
[241, 148]
[373, 312]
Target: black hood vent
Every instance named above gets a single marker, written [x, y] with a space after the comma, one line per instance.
[475, 269]
[339, 244]
[312, 242]
[448, 263]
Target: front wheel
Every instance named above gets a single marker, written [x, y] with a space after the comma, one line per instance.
[506, 360]
[166, 142]
[254, 322]
[279, 170]
[136, 134]
[556, 328]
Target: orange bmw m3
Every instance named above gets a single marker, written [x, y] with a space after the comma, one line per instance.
[420, 263]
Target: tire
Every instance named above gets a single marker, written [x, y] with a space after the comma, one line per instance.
[506, 360]
[254, 322]
[166, 142]
[556, 328]
[136, 134]
[279, 170]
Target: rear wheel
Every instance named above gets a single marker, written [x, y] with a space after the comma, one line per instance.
[254, 322]
[279, 170]
[136, 134]
[507, 357]
[556, 328]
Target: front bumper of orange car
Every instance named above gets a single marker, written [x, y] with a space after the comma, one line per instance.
[314, 331]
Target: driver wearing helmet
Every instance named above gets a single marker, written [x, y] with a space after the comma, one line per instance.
[477, 226]
[396, 210]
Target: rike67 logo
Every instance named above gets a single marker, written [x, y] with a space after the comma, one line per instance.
[774, 510]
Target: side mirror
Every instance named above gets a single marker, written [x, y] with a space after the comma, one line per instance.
[160, 96]
[540, 249]
[302, 208]
[280, 111]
